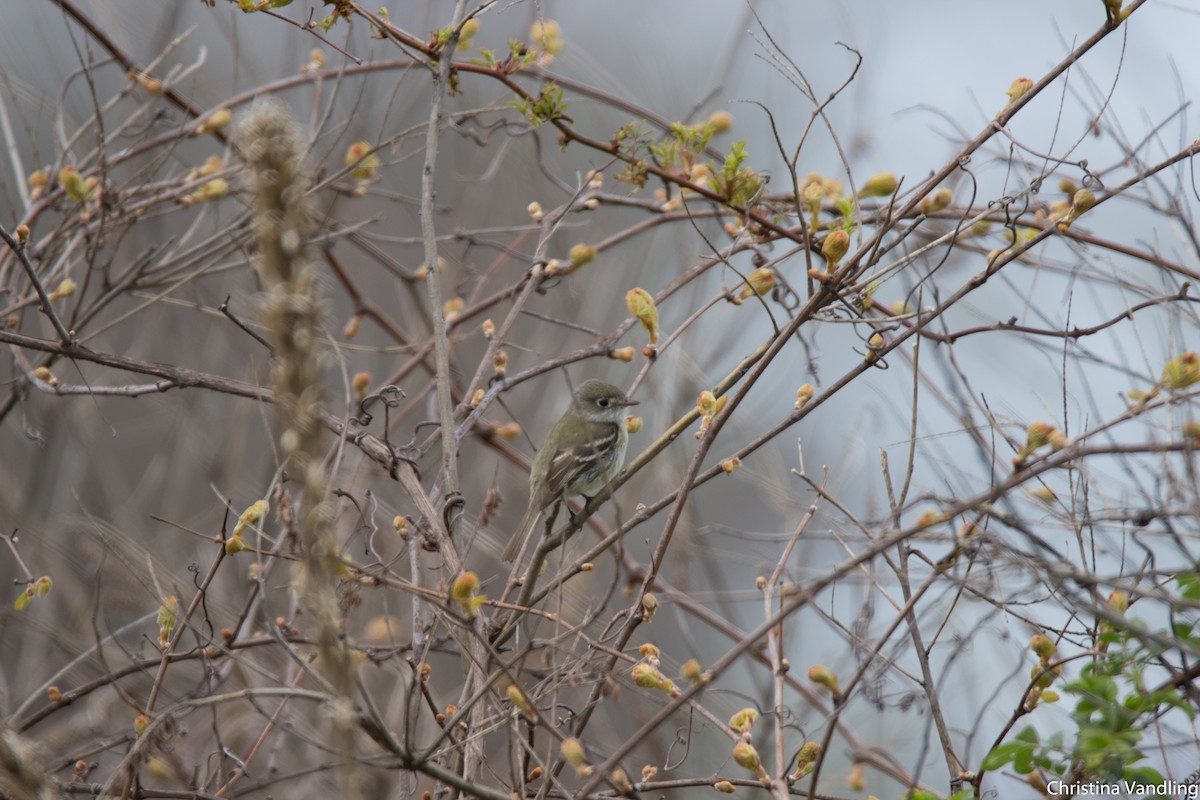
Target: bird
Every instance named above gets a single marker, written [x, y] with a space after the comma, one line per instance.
[583, 451]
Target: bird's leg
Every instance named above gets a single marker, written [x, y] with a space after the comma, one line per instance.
[575, 517]
[553, 515]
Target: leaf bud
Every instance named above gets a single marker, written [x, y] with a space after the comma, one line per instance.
[581, 254]
[836, 245]
[625, 354]
[215, 121]
[1181, 372]
[1017, 90]
[881, 184]
[360, 383]
[720, 121]
[641, 306]
[937, 201]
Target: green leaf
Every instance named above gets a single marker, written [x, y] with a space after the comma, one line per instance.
[1003, 754]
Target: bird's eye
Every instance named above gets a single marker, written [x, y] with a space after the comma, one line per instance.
[603, 402]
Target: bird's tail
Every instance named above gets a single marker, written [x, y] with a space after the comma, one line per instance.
[517, 543]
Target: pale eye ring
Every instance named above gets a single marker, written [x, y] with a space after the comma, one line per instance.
[603, 402]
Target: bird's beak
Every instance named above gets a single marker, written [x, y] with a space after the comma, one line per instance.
[628, 402]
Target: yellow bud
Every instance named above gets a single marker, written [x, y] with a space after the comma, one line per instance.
[693, 670]
[582, 254]
[724, 787]
[168, 613]
[821, 676]
[42, 586]
[876, 342]
[489, 329]
[352, 326]
[24, 599]
[1043, 675]
[649, 606]
[546, 36]
[65, 288]
[44, 375]
[1045, 495]
[54, 694]
[620, 780]
[881, 184]
[452, 308]
[509, 431]
[517, 698]
[477, 398]
[1119, 600]
[423, 270]
[1081, 201]
[22, 234]
[360, 383]
[747, 757]
[205, 192]
[803, 395]
[1017, 89]
[535, 212]
[759, 282]
[1037, 434]
[74, 184]
[641, 306]
[463, 586]
[836, 245]
[649, 650]
[235, 544]
[730, 464]
[1043, 647]
[928, 519]
[211, 164]
[706, 403]
[744, 720]
[646, 676]
[808, 753]
[251, 516]
[633, 424]
[625, 354]
[856, 779]
[500, 363]
[648, 772]
[316, 60]
[365, 163]
[572, 752]
[813, 195]
[937, 201]
[469, 29]
[215, 121]
[400, 525]
[140, 724]
[1181, 372]
[720, 121]
[150, 84]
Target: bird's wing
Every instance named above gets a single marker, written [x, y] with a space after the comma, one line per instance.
[580, 457]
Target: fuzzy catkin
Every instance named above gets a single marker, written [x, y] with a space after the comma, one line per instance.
[291, 311]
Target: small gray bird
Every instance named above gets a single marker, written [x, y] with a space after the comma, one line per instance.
[583, 451]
